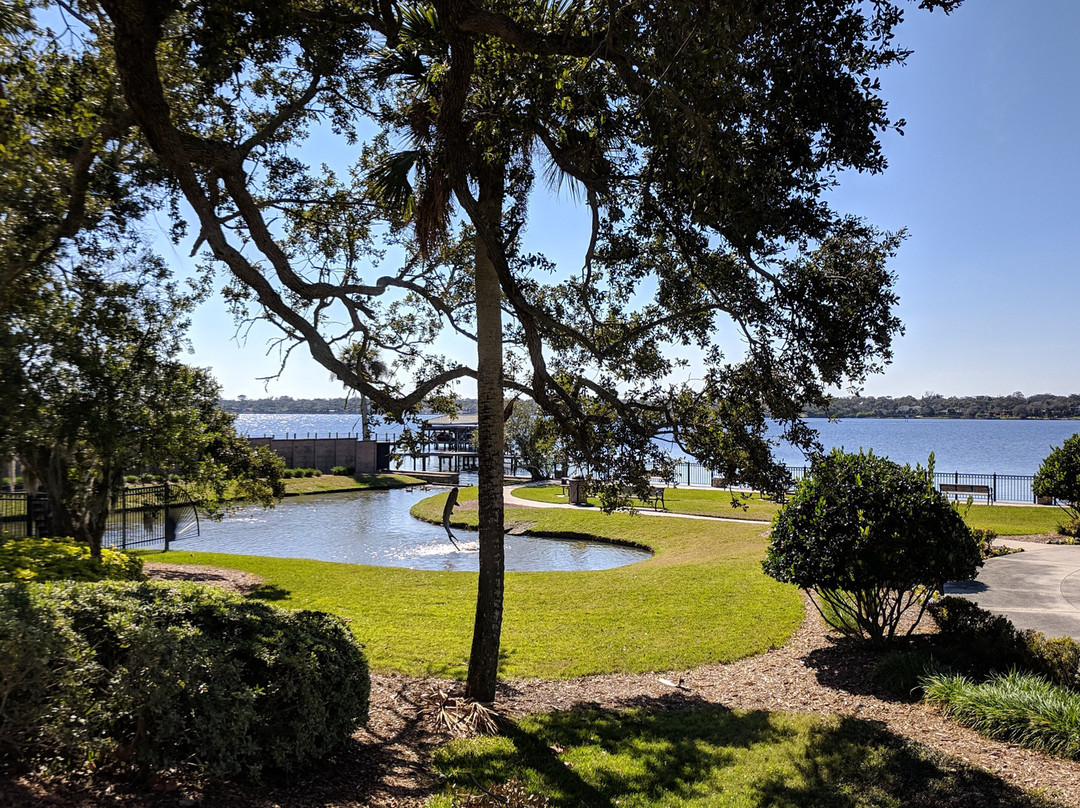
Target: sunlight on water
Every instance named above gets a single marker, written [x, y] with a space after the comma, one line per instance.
[374, 527]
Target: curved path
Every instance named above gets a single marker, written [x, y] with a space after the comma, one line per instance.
[518, 502]
[1038, 588]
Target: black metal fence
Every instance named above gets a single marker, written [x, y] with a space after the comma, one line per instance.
[1000, 487]
[144, 516]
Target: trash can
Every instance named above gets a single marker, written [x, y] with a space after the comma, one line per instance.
[575, 491]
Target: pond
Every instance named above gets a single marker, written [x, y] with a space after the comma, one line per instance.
[374, 527]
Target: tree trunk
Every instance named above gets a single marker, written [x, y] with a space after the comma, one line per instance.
[487, 627]
[81, 515]
[365, 410]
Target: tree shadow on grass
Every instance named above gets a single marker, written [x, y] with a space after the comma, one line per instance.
[595, 758]
[267, 592]
[852, 762]
[711, 755]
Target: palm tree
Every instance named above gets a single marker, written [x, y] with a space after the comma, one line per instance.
[364, 359]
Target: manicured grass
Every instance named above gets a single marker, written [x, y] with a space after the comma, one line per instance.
[1018, 707]
[336, 482]
[712, 756]
[690, 501]
[1014, 520]
[701, 598]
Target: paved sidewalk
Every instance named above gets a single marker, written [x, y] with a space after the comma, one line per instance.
[644, 510]
[1038, 588]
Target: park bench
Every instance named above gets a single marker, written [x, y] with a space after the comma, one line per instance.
[966, 489]
[654, 498]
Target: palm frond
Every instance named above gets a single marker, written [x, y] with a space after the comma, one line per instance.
[389, 181]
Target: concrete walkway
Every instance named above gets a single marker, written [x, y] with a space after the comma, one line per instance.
[1038, 588]
[645, 510]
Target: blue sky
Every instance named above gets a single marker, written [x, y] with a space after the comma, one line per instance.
[985, 180]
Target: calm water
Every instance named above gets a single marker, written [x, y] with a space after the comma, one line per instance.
[374, 527]
[973, 446]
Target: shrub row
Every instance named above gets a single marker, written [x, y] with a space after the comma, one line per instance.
[133, 479]
[343, 471]
[164, 676]
[290, 473]
[986, 642]
[63, 559]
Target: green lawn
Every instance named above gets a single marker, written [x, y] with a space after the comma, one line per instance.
[701, 598]
[1006, 520]
[336, 482]
[711, 756]
[690, 501]
[1014, 520]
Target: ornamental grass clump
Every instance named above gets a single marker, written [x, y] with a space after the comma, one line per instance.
[871, 541]
[1016, 707]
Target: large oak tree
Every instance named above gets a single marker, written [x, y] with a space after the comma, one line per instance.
[701, 138]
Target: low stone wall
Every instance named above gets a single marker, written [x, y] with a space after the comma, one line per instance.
[433, 477]
[322, 453]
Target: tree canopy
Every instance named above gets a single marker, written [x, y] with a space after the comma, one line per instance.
[1059, 477]
[93, 389]
[700, 137]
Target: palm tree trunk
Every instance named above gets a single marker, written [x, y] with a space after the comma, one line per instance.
[487, 627]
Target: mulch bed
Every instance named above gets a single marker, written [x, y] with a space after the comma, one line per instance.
[386, 766]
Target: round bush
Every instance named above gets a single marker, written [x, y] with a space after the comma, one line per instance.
[178, 675]
[873, 539]
[1059, 477]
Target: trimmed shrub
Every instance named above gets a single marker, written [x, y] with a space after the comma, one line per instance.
[176, 676]
[981, 642]
[873, 540]
[902, 672]
[343, 471]
[45, 675]
[1059, 477]
[63, 560]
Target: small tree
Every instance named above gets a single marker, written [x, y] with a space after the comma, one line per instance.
[532, 437]
[1059, 477]
[873, 540]
[93, 388]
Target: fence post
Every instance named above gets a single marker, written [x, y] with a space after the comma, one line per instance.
[123, 518]
[994, 489]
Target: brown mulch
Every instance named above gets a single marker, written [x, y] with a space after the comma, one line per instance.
[238, 581]
[387, 767]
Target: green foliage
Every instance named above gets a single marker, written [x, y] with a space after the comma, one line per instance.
[289, 474]
[1016, 707]
[163, 676]
[343, 471]
[873, 539]
[1059, 477]
[45, 671]
[707, 755]
[63, 559]
[701, 598]
[532, 437]
[902, 672]
[92, 365]
[979, 642]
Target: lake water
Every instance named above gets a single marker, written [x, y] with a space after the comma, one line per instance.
[374, 527]
[972, 446]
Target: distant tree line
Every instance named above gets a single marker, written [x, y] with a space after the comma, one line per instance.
[934, 405]
[288, 404]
